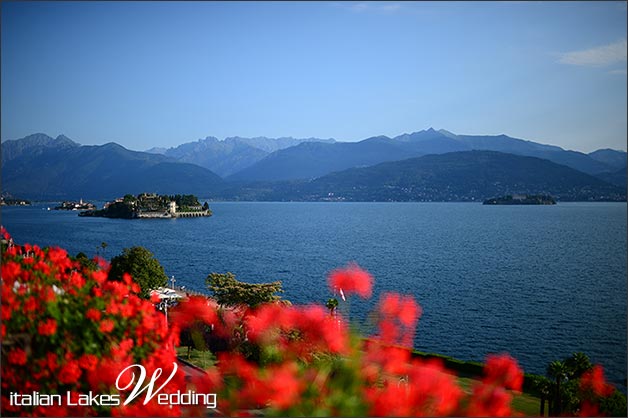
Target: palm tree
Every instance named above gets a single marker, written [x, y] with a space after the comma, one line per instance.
[544, 387]
[557, 370]
[332, 304]
[577, 365]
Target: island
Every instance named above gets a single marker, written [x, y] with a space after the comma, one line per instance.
[80, 205]
[521, 199]
[152, 206]
[12, 201]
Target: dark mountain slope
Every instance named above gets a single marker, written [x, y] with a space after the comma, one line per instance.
[101, 172]
[612, 158]
[457, 176]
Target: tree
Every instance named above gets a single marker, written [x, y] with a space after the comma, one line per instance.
[230, 292]
[85, 262]
[142, 266]
[577, 365]
[544, 388]
[558, 371]
[332, 304]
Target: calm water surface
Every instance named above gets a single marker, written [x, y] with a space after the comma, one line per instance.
[539, 282]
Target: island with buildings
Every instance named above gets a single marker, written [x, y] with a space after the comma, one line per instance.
[80, 205]
[13, 201]
[152, 206]
[521, 199]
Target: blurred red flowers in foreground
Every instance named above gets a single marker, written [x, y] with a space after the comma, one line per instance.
[351, 279]
[65, 328]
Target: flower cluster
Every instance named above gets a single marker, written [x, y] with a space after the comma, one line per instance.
[67, 329]
[308, 362]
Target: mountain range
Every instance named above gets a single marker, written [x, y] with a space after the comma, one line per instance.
[455, 176]
[45, 168]
[378, 168]
[231, 155]
[312, 160]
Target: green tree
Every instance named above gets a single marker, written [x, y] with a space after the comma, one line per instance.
[577, 365]
[543, 386]
[614, 405]
[85, 261]
[332, 304]
[142, 266]
[230, 292]
[557, 370]
[129, 198]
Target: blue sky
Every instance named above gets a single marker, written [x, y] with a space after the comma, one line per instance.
[160, 74]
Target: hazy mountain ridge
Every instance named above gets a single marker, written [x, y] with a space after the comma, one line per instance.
[232, 154]
[34, 144]
[303, 162]
[42, 167]
[102, 171]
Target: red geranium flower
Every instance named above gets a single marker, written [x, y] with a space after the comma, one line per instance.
[17, 356]
[47, 328]
[503, 370]
[70, 372]
[351, 279]
[106, 325]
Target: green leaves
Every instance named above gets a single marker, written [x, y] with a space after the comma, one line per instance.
[142, 266]
[230, 292]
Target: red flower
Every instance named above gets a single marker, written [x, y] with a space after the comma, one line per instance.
[503, 370]
[47, 328]
[351, 279]
[488, 400]
[398, 317]
[70, 372]
[594, 380]
[17, 356]
[106, 325]
[88, 361]
[197, 308]
[283, 387]
[10, 271]
[93, 314]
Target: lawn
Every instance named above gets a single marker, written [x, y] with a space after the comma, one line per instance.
[524, 403]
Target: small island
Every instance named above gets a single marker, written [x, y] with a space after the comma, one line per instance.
[152, 206]
[80, 205]
[521, 199]
[11, 201]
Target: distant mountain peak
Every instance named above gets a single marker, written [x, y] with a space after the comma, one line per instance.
[447, 134]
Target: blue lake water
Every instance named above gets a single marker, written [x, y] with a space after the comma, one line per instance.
[539, 282]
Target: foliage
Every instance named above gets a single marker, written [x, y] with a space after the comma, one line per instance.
[230, 292]
[185, 200]
[310, 363]
[85, 261]
[332, 305]
[142, 266]
[123, 210]
[578, 387]
[65, 327]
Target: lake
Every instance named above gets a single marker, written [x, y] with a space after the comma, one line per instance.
[538, 282]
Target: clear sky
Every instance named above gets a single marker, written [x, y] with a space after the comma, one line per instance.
[163, 73]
